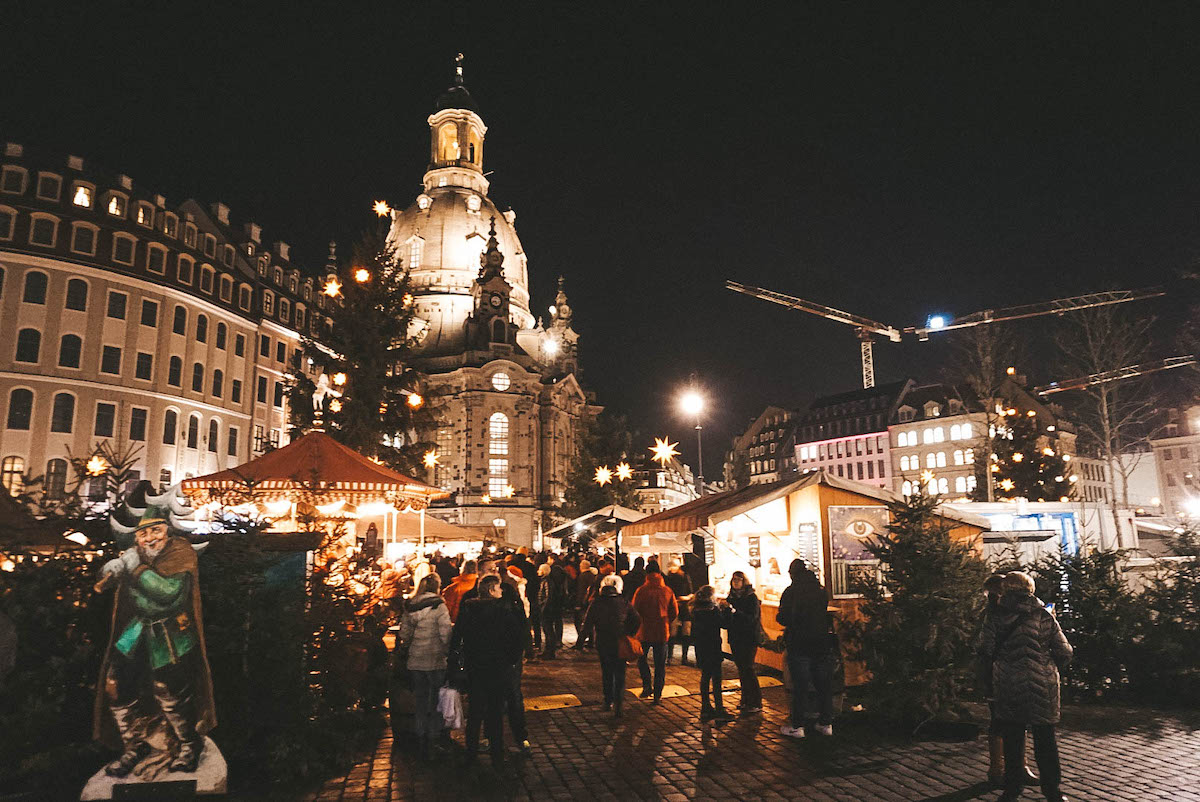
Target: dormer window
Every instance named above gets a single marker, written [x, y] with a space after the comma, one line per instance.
[227, 257]
[210, 245]
[474, 204]
[12, 180]
[906, 414]
[262, 265]
[294, 283]
[424, 201]
[145, 215]
[933, 409]
[170, 225]
[189, 235]
[117, 205]
[268, 303]
[49, 186]
[278, 276]
[84, 196]
[308, 290]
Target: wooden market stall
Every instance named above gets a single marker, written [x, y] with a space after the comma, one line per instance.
[316, 482]
[821, 518]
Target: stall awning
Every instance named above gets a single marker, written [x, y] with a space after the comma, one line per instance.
[605, 519]
[707, 511]
[408, 525]
[317, 463]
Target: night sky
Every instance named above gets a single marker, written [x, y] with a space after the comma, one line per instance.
[892, 163]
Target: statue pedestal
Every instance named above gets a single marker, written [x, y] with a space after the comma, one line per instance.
[209, 778]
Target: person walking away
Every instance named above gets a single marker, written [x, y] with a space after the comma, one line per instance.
[744, 625]
[681, 628]
[1026, 648]
[489, 632]
[553, 596]
[425, 630]
[634, 578]
[707, 622]
[804, 616]
[462, 583]
[993, 586]
[534, 577]
[585, 587]
[610, 618]
[656, 606]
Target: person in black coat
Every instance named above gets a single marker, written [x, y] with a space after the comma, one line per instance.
[634, 579]
[489, 632]
[803, 613]
[681, 628]
[707, 622]
[609, 619]
[1026, 649]
[745, 621]
[552, 597]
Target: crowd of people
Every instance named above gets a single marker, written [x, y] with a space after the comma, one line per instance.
[472, 624]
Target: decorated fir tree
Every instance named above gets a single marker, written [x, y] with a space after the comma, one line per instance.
[920, 623]
[596, 478]
[1024, 462]
[359, 366]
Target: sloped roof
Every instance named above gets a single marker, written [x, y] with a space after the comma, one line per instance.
[313, 461]
[709, 510]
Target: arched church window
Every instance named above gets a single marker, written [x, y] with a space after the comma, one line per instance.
[498, 433]
[414, 252]
[474, 146]
[498, 455]
[448, 149]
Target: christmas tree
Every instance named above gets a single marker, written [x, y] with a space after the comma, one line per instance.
[1023, 461]
[920, 622]
[596, 477]
[368, 395]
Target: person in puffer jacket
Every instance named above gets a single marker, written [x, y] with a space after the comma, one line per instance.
[425, 629]
[1026, 648]
[610, 618]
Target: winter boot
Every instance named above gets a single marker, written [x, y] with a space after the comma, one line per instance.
[996, 761]
[135, 749]
[179, 712]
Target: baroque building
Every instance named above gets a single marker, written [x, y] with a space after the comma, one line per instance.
[127, 319]
[507, 384]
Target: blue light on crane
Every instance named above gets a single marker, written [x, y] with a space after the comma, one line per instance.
[936, 322]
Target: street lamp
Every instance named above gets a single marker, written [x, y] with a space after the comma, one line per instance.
[692, 403]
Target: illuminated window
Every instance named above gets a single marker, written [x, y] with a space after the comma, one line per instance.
[497, 477]
[498, 433]
[930, 460]
[960, 484]
[268, 303]
[941, 459]
[943, 485]
[189, 235]
[474, 203]
[117, 205]
[966, 431]
[145, 214]
[414, 252]
[907, 488]
[969, 454]
[448, 148]
[84, 196]
[12, 475]
[959, 458]
[170, 225]
[904, 464]
[955, 432]
[927, 436]
[970, 483]
[501, 381]
[445, 450]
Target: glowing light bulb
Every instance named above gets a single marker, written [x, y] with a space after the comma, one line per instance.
[692, 403]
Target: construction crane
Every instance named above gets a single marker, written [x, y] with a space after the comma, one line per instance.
[1055, 307]
[1119, 374]
[865, 327]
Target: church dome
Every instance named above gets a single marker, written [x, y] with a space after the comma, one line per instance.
[442, 234]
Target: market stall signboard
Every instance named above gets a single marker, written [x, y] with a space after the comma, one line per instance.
[755, 553]
[808, 542]
[852, 528]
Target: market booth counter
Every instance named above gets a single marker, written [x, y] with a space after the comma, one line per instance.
[825, 520]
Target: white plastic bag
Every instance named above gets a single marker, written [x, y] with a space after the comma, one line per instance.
[451, 707]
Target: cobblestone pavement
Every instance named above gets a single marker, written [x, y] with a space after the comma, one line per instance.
[662, 752]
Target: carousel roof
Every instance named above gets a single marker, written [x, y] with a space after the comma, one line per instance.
[314, 461]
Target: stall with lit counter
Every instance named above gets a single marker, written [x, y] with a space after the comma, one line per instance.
[821, 518]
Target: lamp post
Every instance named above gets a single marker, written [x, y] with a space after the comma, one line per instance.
[692, 403]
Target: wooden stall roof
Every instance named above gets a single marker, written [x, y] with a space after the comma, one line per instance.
[708, 510]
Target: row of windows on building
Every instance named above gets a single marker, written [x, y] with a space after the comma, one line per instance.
[842, 448]
[939, 486]
[1169, 453]
[62, 421]
[43, 231]
[862, 470]
[849, 426]
[937, 459]
[762, 466]
[934, 434]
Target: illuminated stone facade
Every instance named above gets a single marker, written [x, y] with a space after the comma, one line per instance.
[510, 403]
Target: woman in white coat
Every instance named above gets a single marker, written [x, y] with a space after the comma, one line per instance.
[425, 632]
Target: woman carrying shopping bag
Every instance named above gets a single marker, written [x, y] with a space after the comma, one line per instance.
[425, 629]
[613, 621]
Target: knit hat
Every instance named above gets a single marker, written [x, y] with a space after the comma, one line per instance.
[153, 516]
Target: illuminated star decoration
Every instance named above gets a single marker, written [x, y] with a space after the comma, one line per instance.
[339, 379]
[624, 471]
[926, 476]
[431, 459]
[415, 400]
[332, 288]
[381, 208]
[362, 275]
[335, 405]
[509, 491]
[97, 465]
[486, 499]
[603, 475]
[663, 451]
[1008, 484]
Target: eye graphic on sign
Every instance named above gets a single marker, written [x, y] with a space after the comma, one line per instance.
[859, 528]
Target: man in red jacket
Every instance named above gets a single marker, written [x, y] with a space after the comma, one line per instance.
[655, 604]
